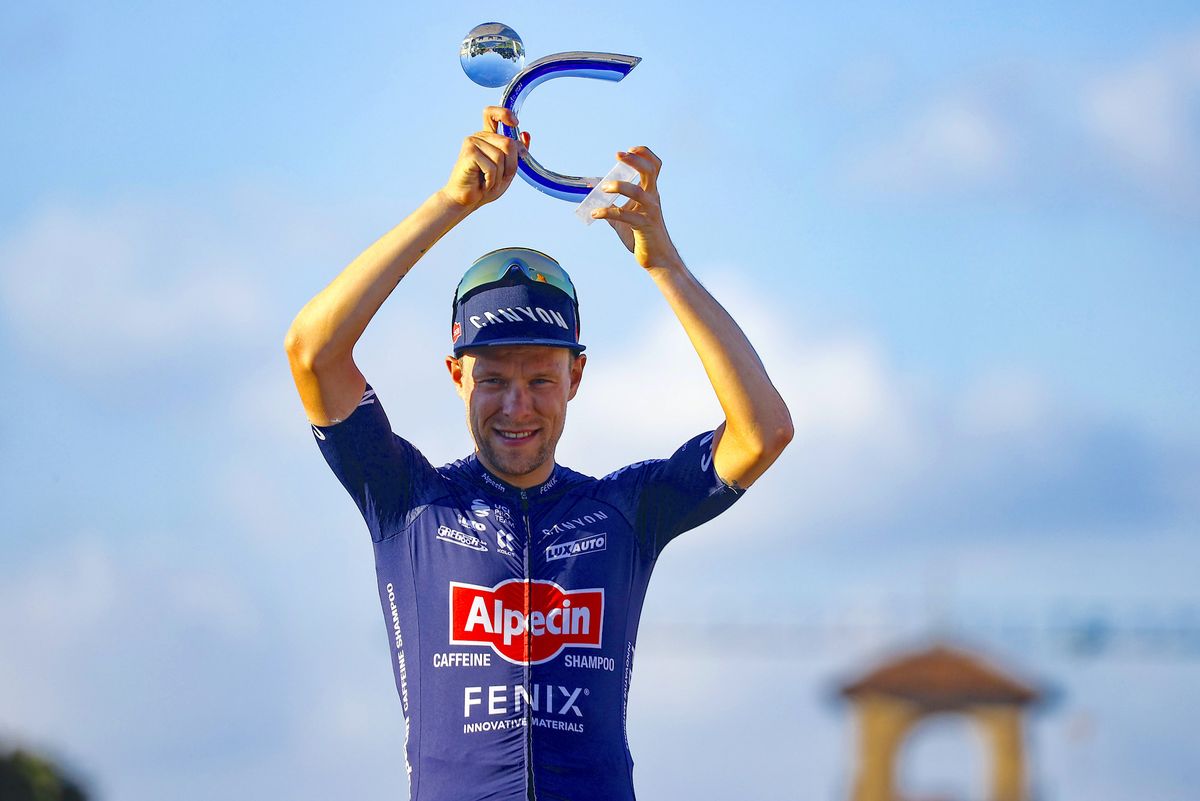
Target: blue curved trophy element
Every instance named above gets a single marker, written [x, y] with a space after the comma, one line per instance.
[602, 66]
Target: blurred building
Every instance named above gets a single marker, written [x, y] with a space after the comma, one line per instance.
[893, 697]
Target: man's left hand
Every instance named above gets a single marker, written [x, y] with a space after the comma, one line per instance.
[639, 222]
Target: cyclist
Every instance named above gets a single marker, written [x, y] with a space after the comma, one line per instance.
[511, 586]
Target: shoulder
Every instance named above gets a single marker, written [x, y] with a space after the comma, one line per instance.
[624, 486]
[630, 473]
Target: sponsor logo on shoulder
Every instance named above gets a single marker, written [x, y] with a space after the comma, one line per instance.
[456, 537]
[584, 545]
[628, 467]
[706, 453]
[368, 397]
[318, 433]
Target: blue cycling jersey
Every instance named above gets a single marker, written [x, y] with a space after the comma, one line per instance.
[513, 613]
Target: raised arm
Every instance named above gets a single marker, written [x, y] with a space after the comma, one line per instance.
[757, 424]
[320, 342]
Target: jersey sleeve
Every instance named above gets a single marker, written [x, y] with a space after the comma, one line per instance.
[384, 474]
[675, 495]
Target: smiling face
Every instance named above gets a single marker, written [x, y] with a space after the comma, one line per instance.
[516, 398]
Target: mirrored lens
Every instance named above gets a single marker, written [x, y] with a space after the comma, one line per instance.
[535, 265]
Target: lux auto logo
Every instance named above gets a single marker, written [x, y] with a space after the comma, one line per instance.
[525, 629]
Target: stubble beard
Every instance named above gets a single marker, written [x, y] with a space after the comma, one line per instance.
[514, 464]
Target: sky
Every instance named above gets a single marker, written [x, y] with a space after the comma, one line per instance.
[965, 242]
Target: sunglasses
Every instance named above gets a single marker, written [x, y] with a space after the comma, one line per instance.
[533, 264]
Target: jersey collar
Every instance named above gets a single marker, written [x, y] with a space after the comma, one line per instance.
[497, 486]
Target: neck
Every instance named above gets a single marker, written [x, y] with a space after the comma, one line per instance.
[523, 481]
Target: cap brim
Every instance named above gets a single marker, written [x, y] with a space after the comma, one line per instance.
[553, 343]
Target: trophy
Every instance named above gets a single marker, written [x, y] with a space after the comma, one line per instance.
[493, 55]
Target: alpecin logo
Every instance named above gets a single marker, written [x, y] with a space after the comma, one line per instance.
[525, 633]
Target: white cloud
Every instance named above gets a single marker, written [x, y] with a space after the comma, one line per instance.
[147, 284]
[87, 591]
[1146, 113]
[1005, 402]
[954, 143]
[1129, 131]
[37, 600]
[123, 287]
[216, 602]
[857, 425]
[644, 400]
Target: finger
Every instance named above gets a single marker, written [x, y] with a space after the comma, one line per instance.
[639, 161]
[511, 151]
[629, 190]
[495, 152]
[506, 164]
[504, 142]
[642, 150]
[645, 167]
[635, 219]
[525, 137]
[488, 159]
[508, 147]
[496, 114]
[499, 140]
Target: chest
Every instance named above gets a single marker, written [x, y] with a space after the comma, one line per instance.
[571, 542]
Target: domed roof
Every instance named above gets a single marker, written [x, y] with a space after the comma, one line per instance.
[942, 677]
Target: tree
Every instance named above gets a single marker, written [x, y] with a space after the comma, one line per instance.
[27, 777]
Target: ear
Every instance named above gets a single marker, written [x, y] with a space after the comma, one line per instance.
[455, 366]
[577, 365]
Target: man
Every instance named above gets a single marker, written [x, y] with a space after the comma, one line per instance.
[512, 586]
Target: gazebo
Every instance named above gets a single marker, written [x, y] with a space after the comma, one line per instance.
[891, 699]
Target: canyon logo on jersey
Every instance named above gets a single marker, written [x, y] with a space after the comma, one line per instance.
[525, 629]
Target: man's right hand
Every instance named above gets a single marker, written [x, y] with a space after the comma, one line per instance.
[487, 162]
